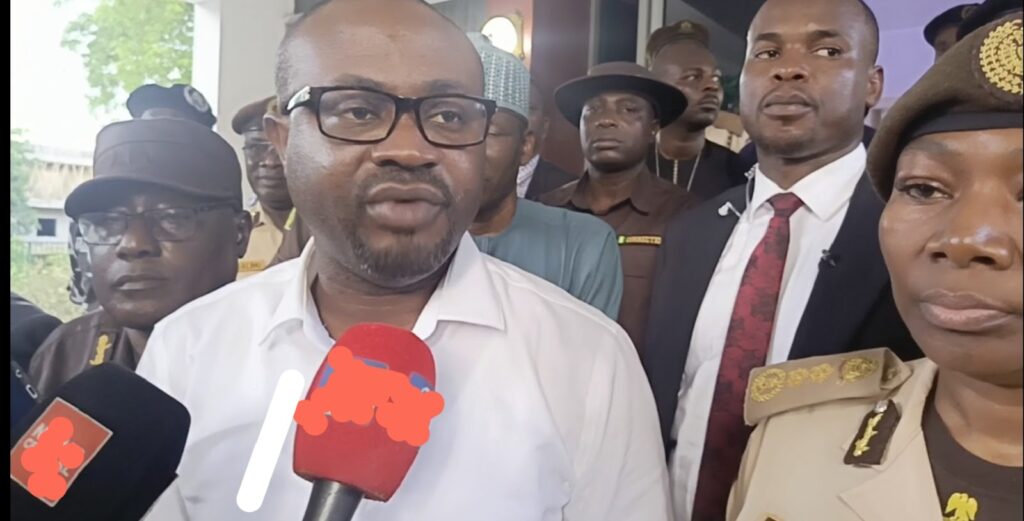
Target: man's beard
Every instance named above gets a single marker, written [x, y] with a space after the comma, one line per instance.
[409, 261]
[403, 264]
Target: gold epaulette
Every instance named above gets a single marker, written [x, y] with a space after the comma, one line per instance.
[810, 381]
[290, 222]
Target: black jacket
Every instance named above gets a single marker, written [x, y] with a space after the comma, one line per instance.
[546, 178]
[29, 328]
[850, 307]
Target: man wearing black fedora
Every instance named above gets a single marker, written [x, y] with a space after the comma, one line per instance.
[619, 108]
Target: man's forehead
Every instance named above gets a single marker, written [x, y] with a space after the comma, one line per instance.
[406, 61]
[145, 196]
[789, 18]
[616, 96]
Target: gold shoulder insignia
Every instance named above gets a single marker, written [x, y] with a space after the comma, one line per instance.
[1001, 55]
[103, 344]
[873, 436]
[799, 383]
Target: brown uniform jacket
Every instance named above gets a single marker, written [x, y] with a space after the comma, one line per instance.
[639, 221]
[296, 235]
[809, 413]
[264, 243]
[77, 345]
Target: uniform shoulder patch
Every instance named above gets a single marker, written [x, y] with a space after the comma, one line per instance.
[795, 384]
[873, 436]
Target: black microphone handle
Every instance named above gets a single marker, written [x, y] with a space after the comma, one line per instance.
[332, 501]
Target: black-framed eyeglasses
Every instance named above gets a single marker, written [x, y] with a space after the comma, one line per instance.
[366, 116]
[166, 224]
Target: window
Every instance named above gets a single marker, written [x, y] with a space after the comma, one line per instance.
[47, 228]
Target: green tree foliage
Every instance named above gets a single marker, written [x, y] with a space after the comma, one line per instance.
[127, 43]
[43, 280]
[23, 219]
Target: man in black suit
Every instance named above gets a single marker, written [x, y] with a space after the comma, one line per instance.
[539, 177]
[785, 267]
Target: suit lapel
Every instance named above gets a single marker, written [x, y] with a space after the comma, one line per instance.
[708, 232]
[845, 292]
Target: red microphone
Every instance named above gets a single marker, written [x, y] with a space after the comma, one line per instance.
[367, 413]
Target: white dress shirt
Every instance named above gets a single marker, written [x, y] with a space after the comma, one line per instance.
[826, 195]
[526, 175]
[548, 415]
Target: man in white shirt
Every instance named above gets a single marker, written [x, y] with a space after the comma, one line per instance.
[538, 177]
[547, 414]
[785, 267]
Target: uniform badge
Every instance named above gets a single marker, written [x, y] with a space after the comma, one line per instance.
[1001, 56]
[646, 240]
[103, 345]
[290, 222]
[194, 98]
[874, 435]
[960, 507]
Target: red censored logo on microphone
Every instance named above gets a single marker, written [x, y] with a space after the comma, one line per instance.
[360, 391]
[54, 451]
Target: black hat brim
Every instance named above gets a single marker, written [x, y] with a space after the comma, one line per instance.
[91, 195]
[668, 102]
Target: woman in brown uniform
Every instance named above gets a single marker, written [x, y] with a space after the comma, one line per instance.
[862, 436]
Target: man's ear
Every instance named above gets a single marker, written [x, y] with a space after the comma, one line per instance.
[529, 147]
[276, 127]
[243, 229]
[655, 128]
[876, 84]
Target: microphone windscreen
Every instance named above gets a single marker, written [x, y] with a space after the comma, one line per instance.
[105, 445]
[377, 385]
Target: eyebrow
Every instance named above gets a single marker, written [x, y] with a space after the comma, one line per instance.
[813, 36]
[431, 87]
[353, 80]
[824, 34]
[928, 145]
[768, 37]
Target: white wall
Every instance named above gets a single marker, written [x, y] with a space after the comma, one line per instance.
[234, 53]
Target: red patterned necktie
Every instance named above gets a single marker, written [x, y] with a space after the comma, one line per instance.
[746, 348]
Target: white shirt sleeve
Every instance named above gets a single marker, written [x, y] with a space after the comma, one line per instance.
[156, 366]
[622, 471]
[160, 360]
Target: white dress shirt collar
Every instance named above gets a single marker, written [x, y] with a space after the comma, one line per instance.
[824, 192]
[466, 294]
[526, 173]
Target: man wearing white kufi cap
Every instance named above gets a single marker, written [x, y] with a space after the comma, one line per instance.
[574, 251]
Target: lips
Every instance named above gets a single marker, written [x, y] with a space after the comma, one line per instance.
[709, 101]
[963, 312]
[404, 207]
[139, 282]
[786, 104]
[605, 144]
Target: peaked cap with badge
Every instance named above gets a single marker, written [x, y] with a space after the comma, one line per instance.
[841, 437]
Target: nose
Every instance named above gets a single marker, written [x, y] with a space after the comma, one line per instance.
[789, 69]
[270, 159]
[976, 234]
[138, 241]
[605, 120]
[712, 85]
[406, 147]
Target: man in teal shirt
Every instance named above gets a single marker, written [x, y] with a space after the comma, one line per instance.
[575, 251]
